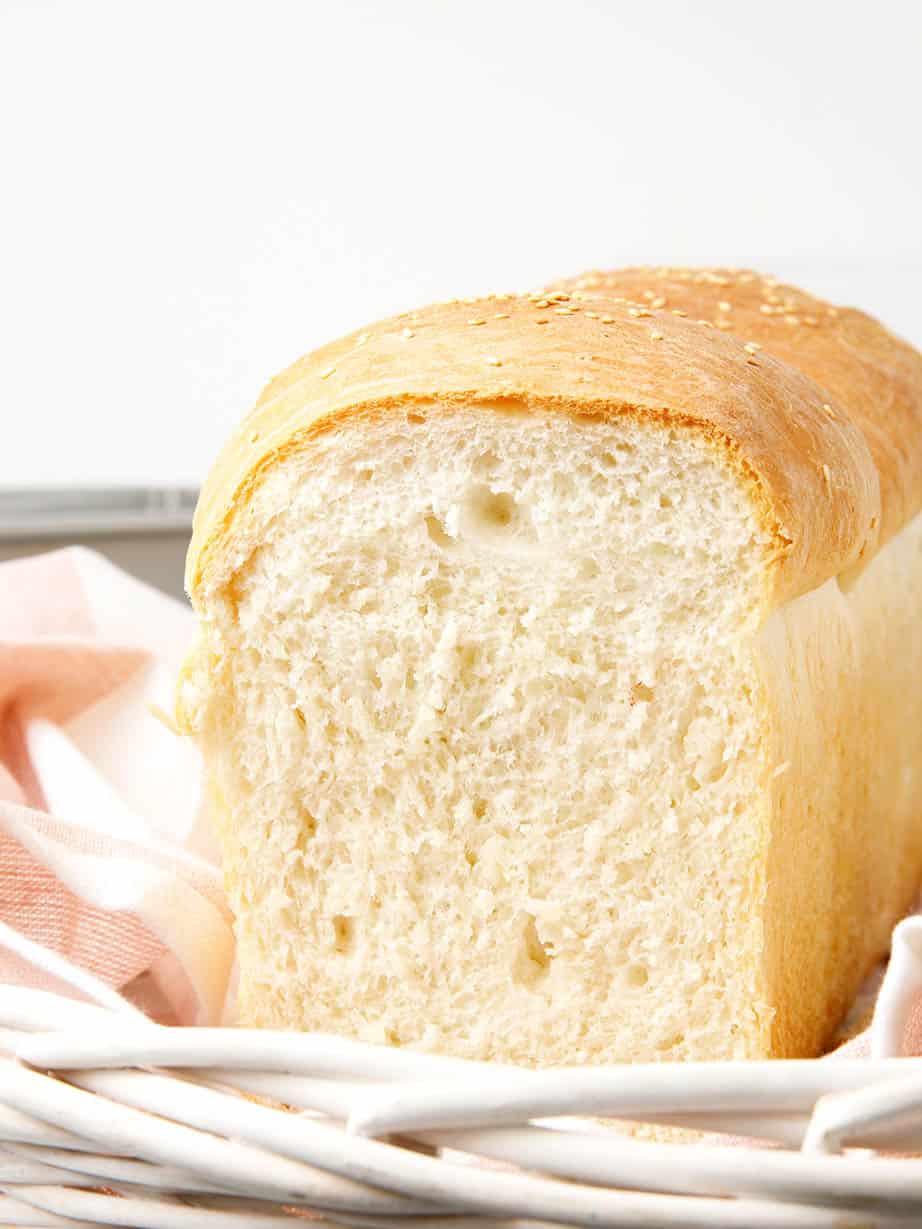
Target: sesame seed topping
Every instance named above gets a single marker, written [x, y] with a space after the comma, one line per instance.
[254, 436]
[811, 320]
[677, 311]
[500, 315]
[707, 324]
[658, 302]
[827, 474]
[828, 410]
[362, 338]
[752, 347]
[565, 311]
[476, 321]
[591, 315]
[724, 306]
[766, 309]
[792, 319]
[542, 303]
[542, 320]
[607, 320]
[750, 362]
[648, 295]
[655, 336]
[325, 375]
[407, 334]
[493, 362]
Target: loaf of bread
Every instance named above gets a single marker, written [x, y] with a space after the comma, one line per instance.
[559, 680]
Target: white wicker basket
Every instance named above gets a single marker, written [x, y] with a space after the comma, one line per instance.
[107, 1118]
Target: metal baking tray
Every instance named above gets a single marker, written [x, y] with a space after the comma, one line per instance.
[144, 530]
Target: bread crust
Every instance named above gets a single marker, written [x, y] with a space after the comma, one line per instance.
[875, 376]
[591, 352]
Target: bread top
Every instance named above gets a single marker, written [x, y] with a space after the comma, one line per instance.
[873, 375]
[587, 351]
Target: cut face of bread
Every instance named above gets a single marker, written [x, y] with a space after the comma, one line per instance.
[484, 729]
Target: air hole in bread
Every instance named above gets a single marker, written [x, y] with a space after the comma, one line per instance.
[491, 510]
[436, 532]
[532, 962]
[641, 694]
[672, 1042]
[343, 933]
[636, 975]
[485, 463]
[306, 830]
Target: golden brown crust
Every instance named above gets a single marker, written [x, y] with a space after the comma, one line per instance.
[875, 376]
[811, 470]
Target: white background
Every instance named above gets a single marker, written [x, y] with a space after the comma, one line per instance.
[193, 193]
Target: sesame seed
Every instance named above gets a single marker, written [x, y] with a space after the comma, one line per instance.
[677, 311]
[782, 769]
[655, 336]
[828, 410]
[724, 306]
[658, 302]
[325, 375]
[565, 311]
[477, 320]
[792, 320]
[493, 362]
[254, 436]
[648, 295]
[362, 338]
[750, 362]
[560, 297]
[591, 315]
[766, 309]
[832, 311]
[752, 347]
[407, 334]
[811, 320]
[723, 323]
[501, 316]
[827, 474]
[542, 303]
[542, 320]
[707, 324]
[607, 320]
